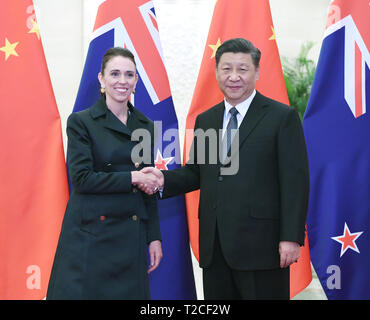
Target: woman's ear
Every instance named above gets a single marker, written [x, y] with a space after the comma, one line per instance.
[100, 78]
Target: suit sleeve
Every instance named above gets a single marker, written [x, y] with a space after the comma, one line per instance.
[186, 178]
[80, 163]
[293, 178]
[153, 230]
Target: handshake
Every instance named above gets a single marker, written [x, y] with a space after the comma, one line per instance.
[149, 179]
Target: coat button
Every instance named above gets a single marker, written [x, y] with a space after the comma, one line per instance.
[102, 218]
[137, 165]
[134, 190]
[134, 217]
[220, 178]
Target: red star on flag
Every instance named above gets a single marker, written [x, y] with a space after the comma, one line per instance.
[348, 240]
[160, 162]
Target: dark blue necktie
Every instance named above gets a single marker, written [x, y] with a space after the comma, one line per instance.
[232, 125]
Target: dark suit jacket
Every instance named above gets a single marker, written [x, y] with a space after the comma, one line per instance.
[265, 202]
[102, 250]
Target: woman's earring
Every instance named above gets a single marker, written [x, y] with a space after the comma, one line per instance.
[133, 91]
[102, 90]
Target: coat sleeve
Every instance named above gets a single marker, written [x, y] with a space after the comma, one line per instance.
[293, 178]
[186, 178]
[153, 230]
[80, 163]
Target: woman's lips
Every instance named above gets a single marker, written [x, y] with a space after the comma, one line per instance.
[121, 90]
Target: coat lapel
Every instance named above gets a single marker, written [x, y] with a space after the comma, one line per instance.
[109, 120]
[136, 118]
[113, 123]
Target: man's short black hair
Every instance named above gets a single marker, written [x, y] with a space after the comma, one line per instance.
[237, 45]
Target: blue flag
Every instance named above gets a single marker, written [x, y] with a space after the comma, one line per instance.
[132, 24]
[337, 130]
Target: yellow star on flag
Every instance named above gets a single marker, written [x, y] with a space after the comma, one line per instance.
[35, 29]
[9, 49]
[214, 47]
[273, 37]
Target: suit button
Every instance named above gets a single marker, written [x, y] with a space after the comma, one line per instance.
[134, 190]
[137, 165]
[214, 206]
[134, 217]
[220, 178]
[102, 218]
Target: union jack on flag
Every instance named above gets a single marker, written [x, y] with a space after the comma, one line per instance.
[337, 130]
[133, 24]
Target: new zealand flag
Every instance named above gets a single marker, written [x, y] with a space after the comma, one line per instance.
[337, 130]
[132, 24]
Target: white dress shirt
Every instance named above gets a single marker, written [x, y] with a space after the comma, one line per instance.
[242, 111]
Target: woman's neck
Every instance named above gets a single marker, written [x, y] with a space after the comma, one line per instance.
[119, 109]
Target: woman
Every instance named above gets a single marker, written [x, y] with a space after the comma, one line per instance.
[102, 250]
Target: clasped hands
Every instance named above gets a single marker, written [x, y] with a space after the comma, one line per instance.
[149, 180]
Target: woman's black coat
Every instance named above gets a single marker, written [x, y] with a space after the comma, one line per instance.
[102, 249]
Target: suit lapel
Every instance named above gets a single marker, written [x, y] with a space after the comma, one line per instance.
[216, 122]
[218, 116]
[255, 113]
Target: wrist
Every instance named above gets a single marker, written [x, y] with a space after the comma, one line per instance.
[135, 177]
[161, 180]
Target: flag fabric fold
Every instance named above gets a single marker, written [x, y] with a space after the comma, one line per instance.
[34, 188]
[133, 24]
[251, 20]
[337, 130]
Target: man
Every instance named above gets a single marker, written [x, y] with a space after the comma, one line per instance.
[252, 222]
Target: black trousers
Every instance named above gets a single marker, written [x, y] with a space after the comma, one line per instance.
[220, 282]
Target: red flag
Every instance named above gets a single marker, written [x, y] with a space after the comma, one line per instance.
[250, 20]
[34, 188]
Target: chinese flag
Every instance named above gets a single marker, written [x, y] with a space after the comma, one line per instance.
[250, 20]
[33, 188]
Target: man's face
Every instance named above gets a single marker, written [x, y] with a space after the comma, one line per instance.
[236, 76]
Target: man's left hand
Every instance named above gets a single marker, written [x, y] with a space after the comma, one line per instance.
[289, 253]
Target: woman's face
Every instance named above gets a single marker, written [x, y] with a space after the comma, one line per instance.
[119, 79]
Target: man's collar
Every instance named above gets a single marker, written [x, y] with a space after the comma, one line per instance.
[243, 106]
